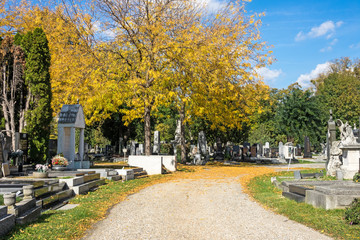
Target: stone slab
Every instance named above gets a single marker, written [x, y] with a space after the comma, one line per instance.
[87, 186]
[6, 224]
[66, 173]
[68, 207]
[29, 216]
[91, 177]
[71, 182]
[301, 190]
[125, 172]
[294, 196]
[351, 189]
[57, 197]
[114, 178]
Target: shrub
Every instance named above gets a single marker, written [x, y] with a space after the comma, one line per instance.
[356, 177]
[352, 214]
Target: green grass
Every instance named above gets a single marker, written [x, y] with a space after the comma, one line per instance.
[304, 161]
[72, 224]
[330, 222]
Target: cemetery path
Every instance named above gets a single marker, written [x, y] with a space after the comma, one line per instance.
[200, 208]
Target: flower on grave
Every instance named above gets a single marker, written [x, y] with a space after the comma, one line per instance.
[59, 160]
[41, 167]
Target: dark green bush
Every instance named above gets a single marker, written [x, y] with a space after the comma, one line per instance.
[352, 214]
[356, 177]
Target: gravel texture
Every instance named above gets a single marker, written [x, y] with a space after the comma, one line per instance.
[196, 209]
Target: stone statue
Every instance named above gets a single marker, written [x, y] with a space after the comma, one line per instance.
[335, 159]
[346, 133]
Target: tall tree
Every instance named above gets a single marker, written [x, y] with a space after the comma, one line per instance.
[37, 78]
[299, 115]
[339, 89]
[12, 60]
[213, 74]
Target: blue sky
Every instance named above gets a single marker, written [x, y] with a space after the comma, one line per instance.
[306, 35]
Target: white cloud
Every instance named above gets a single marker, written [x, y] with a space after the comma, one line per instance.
[355, 46]
[212, 5]
[109, 33]
[268, 74]
[326, 29]
[304, 79]
[330, 46]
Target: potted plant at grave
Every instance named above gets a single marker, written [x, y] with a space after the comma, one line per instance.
[59, 163]
[41, 171]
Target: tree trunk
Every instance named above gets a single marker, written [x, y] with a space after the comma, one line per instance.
[182, 133]
[4, 99]
[147, 130]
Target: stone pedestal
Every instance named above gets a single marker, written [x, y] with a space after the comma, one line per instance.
[351, 162]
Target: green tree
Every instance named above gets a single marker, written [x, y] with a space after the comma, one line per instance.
[339, 90]
[37, 79]
[299, 115]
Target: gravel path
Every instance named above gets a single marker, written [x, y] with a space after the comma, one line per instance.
[196, 209]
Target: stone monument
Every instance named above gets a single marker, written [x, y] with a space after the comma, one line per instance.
[281, 150]
[219, 155]
[307, 150]
[156, 148]
[334, 162]
[202, 146]
[350, 150]
[70, 118]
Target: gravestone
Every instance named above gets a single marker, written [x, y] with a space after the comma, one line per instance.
[177, 133]
[156, 148]
[21, 142]
[267, 145]
[228, 151]
[202, 143]
[307, 151]
[267, 152]
[246, 149]
[193, 150]
[281, 150]
[219, 155]
[121, 145]
[236, 153]
[133, 148]
[259, 150]
[6, 148]
[330, 136]
[298, 151]
[141, 149]
[202, 146]
[253, 150]
[5, 169]
[274, 152]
